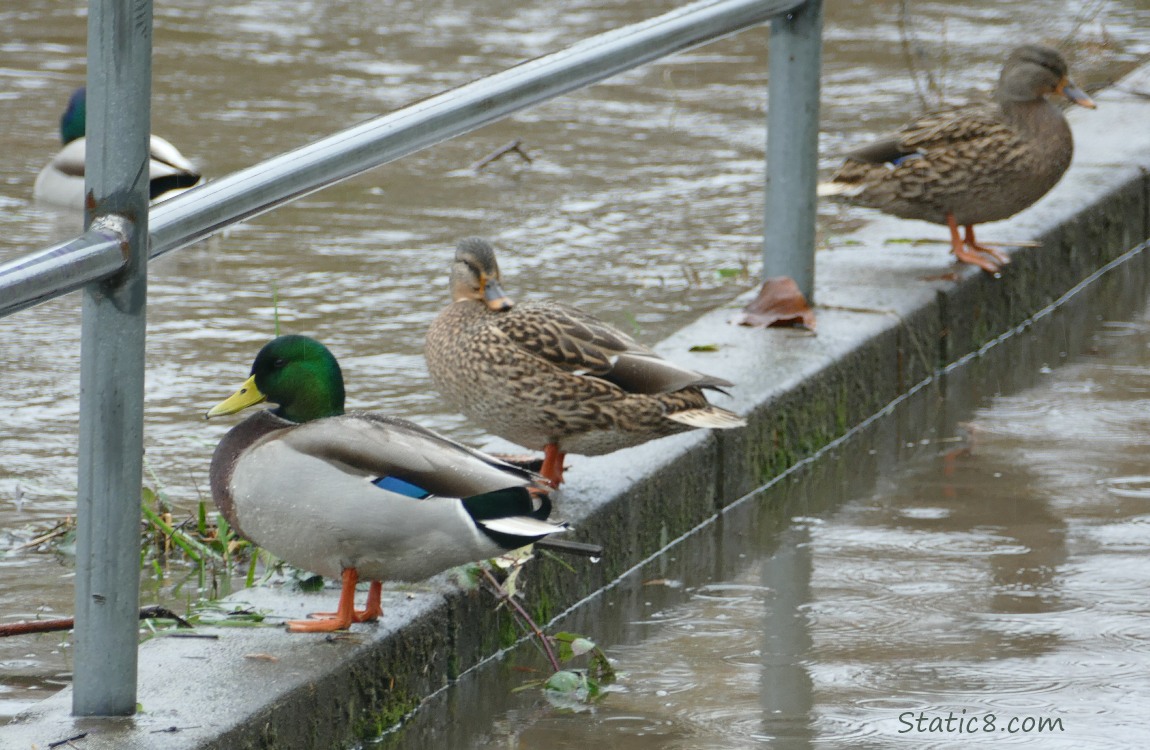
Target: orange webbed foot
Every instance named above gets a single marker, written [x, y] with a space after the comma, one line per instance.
[973, 245]
[324, 625]
[975, 257]
[986, 264]
[328, 622]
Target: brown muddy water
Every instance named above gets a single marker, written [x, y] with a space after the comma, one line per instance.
[642, 203]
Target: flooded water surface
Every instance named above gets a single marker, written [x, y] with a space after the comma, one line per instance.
[956, 573]
[642, 202]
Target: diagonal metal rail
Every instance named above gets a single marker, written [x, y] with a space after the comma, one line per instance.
[109, 261]
[202, 211]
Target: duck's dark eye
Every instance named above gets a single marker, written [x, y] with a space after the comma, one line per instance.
[279, 363]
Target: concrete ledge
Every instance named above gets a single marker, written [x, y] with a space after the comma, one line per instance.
[886, 323]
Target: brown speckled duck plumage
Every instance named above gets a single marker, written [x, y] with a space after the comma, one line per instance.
[975, 163]
[543, 374]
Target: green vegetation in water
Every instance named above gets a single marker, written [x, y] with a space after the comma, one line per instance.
[564, 687]
[199, 553]
[208, 548]
[570, 688]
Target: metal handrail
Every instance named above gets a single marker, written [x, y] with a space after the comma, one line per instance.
[109, 260]
[249, 192]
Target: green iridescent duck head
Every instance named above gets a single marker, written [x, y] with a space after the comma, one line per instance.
[296, 373]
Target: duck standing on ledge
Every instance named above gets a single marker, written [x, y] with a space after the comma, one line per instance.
[972, 164]
[61, 181]
[551, 377]
[354, 495]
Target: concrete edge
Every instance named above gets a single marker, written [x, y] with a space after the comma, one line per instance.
[884, 326]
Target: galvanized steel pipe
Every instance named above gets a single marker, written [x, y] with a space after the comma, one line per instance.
[39, 277]
[200, 212]
[111, 444]
[794, 62]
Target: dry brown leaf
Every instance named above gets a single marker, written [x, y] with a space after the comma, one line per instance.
[779, 303]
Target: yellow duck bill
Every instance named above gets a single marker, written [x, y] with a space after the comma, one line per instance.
[247, 395]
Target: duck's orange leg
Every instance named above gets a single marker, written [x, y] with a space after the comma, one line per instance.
[958, 247]
[370, 613]
[552, 469]
[373, 610]
[342, 618]
[973, 245]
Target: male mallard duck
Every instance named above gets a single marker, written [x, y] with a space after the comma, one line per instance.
[61, 181]
[551, 377]
[360, 495]
[972, 164]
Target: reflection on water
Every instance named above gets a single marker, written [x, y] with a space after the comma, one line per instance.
[644, 193]
[1005, 575]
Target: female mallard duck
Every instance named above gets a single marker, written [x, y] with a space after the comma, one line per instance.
[62, 180]
[972, 164]
[360, 495]
[551, 377]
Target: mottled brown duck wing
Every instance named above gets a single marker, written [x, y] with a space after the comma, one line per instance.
[942, 129]
[376, 446]
[956, 128]
[565, 337]
[925, 153]
[576, 342]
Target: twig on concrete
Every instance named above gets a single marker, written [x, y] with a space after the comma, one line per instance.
[163, 613]
[61, 743]
[67, 623]
[173, 730]
[37, 626]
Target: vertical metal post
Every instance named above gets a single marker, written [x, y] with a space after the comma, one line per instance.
[112, 362]
[794, 61]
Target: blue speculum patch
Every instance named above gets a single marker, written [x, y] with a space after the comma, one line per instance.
[903, 158]
[401, 487]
